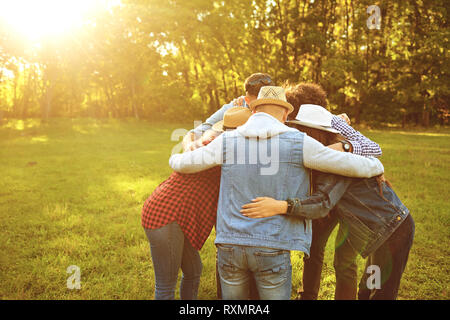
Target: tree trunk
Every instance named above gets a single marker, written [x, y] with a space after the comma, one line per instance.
[133, 100]
[426, 118]
[357, 111]
[48, 102]
[16, 112]
[225, 88]
[212, 106]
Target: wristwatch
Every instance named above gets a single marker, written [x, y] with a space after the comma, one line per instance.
[290, 204]
[345, 145]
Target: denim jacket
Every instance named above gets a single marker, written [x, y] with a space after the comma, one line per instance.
[370, 217]
[243, 179]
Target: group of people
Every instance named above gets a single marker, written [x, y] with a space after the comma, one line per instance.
[274, 171]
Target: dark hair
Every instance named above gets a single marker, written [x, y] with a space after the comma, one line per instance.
[257, 80]
[304, 93]
[324, 137]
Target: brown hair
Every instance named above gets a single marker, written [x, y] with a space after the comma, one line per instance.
[304, 93]
[257, 80]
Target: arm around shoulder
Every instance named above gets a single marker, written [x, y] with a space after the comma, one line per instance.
[318, 157]
[198, 160]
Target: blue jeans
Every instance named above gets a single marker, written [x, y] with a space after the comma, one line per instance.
[391, 258]
[344, 261]
[270, 268]
[170, 251]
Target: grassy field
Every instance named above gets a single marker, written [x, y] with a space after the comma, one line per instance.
[71, 193]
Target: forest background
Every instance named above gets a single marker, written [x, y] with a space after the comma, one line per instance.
[177, 60]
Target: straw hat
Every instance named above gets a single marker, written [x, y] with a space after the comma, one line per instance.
[314, 116]
[271, 95]
[233, 118]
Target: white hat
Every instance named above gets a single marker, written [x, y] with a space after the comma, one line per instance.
[314, 116]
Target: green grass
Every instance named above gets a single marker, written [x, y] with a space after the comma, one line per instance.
[71, 192]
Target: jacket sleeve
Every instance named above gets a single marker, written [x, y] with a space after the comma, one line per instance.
[213, 119]
[318, 157]
[329, 189]
[362, 145]
[200, 159]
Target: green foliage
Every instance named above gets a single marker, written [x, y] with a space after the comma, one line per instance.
[176, 59]
[71, 193]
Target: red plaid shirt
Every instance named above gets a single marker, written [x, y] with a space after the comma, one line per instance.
[188, 199]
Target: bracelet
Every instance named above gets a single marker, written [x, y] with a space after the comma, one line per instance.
[290, 207]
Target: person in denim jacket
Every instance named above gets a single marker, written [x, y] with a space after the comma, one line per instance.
[378, 225]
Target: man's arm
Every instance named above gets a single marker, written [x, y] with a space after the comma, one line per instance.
[214, 118]
[200, 159]
[362, 145]
[329, 189]
[318, 157]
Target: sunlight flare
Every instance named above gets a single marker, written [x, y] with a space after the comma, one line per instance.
[48, 18]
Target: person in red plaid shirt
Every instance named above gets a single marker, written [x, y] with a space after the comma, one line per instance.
[179, 216]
